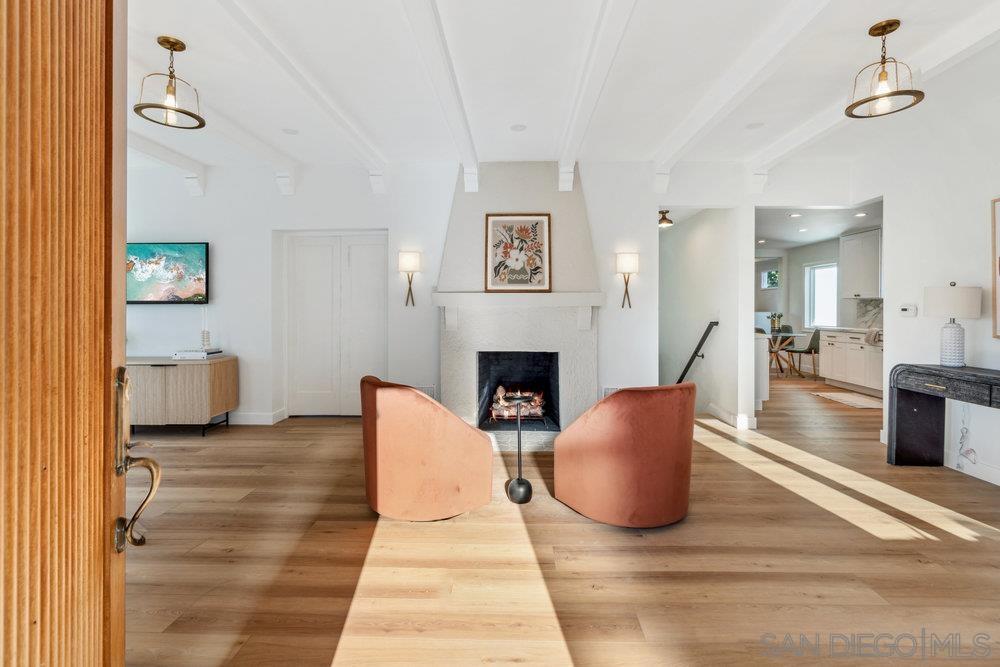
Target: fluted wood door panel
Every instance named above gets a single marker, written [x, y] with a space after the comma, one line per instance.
[61, 203]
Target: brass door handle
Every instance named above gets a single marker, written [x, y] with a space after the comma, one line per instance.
[125, 530]
[935, 386]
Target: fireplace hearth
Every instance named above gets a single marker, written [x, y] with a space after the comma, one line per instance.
[504, 375]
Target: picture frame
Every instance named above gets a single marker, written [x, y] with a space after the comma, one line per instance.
[996, 267]
[167, 273]
[518, 252]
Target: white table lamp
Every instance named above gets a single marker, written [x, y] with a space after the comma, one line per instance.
[953, 303]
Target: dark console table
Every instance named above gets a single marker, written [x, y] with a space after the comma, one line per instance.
[917, 395]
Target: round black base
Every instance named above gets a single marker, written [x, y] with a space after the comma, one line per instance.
[519, 490]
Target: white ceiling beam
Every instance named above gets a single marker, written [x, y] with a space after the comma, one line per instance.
[957, 43]
[285, 166]
[750, 69]
[425, 24]
[612, 20]
[190, 169]
[366, 151]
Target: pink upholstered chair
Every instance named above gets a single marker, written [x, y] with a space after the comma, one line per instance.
[422, 463]
[627, 460]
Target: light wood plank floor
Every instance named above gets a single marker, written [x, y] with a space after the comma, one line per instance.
[262, 551]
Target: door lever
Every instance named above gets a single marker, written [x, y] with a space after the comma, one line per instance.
[124, 529]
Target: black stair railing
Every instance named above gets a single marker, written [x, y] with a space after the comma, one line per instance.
[697, 351]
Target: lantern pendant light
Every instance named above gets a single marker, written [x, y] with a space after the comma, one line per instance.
[180, 105]
[664, 220]
[885, 86]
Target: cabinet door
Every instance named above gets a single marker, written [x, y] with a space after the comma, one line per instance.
[188, 394]
[873, 374]
[855, 364]
[831, 360]
[859, 266]
[147, 387]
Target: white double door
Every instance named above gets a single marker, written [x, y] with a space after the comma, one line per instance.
[337, 320]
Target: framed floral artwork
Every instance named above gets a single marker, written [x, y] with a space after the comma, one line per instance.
[518, 252]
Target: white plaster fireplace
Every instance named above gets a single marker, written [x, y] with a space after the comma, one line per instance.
[563, 321]
[560, 322]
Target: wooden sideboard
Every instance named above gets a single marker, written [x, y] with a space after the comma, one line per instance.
[917, 396]
[166, 391]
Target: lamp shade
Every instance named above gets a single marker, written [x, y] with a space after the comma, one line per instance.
[958, 302]
[409, 261]
[627, 262]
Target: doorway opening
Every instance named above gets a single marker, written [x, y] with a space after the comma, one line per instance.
[818, 300]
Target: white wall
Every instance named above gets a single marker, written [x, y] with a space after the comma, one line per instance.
[769, 300]
[623, 215]
[238, 215]
[700, 282]
[798, 259]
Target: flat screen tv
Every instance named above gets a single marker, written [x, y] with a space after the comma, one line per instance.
[166, 273]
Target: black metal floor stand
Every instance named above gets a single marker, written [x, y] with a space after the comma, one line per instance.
[519, 489]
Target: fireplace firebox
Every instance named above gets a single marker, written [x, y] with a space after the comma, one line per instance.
[504, 375]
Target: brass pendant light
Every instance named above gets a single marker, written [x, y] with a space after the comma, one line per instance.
[665, 222]
[885, 86]
[180, 105]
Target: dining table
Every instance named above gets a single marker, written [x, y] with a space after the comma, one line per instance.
[778, 342]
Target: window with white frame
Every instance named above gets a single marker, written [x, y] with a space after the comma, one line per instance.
[821, 295]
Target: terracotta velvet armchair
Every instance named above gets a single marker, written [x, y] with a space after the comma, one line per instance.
[422, 463]
[627, 460]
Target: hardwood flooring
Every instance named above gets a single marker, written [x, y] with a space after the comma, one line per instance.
[262, 551]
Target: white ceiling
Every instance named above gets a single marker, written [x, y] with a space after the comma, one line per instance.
[780, 231]
[669, 80]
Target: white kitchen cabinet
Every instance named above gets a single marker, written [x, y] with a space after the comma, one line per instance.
[831, 360]
[855, 364]
[873, 374]
[844, 357]
[859, 269]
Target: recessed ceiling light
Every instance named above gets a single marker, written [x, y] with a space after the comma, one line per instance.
[794, 215]
[761, 241]
[290, 130]
[518, 127]
[754, 126]
[803, 229]
[860, 215]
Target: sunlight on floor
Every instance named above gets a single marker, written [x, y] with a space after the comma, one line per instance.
[866, 518]
[453, 592]
[940, 517]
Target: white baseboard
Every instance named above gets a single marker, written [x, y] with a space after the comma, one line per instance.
[740, 422]
[256, 418]
[981, 470]
[877, 393]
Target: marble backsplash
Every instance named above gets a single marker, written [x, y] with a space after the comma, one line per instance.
[862, 313]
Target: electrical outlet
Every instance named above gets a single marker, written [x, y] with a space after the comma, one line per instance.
[908, 310]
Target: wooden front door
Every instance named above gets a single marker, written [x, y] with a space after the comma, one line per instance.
[61, 329]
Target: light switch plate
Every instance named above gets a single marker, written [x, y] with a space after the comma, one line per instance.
[908, 310]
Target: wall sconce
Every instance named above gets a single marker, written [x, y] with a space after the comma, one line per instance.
[409, 263]
[627, 263]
